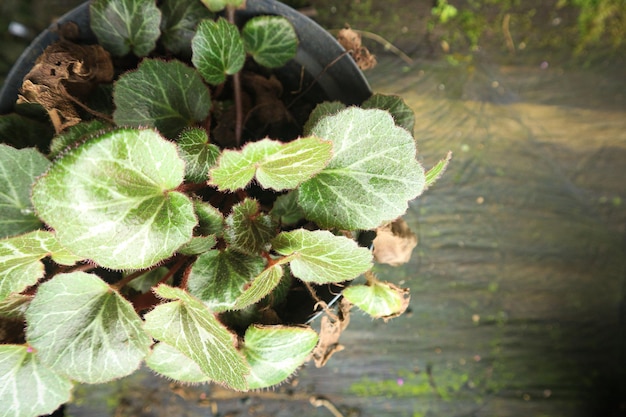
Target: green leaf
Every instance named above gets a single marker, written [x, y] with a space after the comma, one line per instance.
[198, 245]
[218, 278]
[433, 174]
[261, 286]
[275, 352]
[18, 171]
[402, 114]
[145, 282]
[14, 306]
[167, 95]
[321, 257]
[189, 326]
[27, 388]
[124, 26]
[219, 5]
[270, 40]
[277, 165]
[178, 26]
[217, 50]
[199, 155]
[286, 209]
[378, 299]
[21, 131]
[83, 329]
[172, 363]
[327, 108]
[372, 176]
[74, 135]
[248, 230]
[210, 219]
[112, 200]
[20, 260]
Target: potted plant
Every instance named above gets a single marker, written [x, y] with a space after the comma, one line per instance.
[180, 197]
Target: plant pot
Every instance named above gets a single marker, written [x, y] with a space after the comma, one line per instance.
[341, 80]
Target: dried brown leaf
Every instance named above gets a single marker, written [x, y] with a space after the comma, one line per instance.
[394, 243]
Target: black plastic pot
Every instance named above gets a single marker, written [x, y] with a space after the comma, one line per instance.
[342, 80]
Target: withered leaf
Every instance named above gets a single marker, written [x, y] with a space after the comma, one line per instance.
[351, 41]
[394, 243]
[330, 331]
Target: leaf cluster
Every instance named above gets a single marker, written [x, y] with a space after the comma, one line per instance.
[145, 235]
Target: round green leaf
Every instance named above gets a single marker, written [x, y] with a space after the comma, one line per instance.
[275, 352]
[321, 257]
[111, 200]
[28, 388]
[270, 40]
[83, 329]
[371, 177]
[218, 278]
[18, 171]
[167, 95]
[180, 18]
[124, 26]
[217, 50]
[189, 326]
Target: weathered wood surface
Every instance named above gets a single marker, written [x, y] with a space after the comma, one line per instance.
[517, 282]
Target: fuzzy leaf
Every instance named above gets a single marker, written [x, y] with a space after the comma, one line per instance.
[210, 220]
[217, 50]
[21, 131]
[261, 286]
[74, 135]
[277, 165]
[275, 352]
[172, 363]
[124, 26]
[402, 114]
[145, 282]
[321, 257]
[371, 177]
[327, 108]
[18, 171]
[199, 155]
[286, 209]
[169, 96]
[83, 329]
[198, 245]
[378, 299]
[249, 231]
[112, 200]
[270, 40]
[27, 388]
[219, 5]
[189, 326]
[20, 260]
[218, 278]
[180, 18]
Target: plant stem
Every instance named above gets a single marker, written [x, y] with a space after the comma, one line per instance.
[230, 13]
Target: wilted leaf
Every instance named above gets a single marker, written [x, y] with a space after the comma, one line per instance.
[371, 177]
[169, 96]
[189, 326]
[112, 200]
[270, 40]
[321, 257]
[83, 329]
[18, 171]
[275, 352]
[394, 243]
[28, 388]
[124, 26]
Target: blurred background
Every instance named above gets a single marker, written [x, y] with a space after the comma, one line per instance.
[518, 301]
